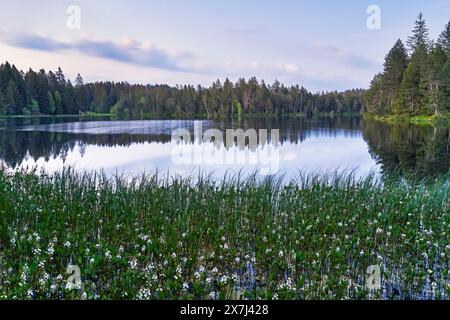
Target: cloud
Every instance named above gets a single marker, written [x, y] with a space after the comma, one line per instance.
[128, 51]
[278, 68]
[291, 67]
[354, 59]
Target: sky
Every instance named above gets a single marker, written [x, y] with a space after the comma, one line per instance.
[322, 45]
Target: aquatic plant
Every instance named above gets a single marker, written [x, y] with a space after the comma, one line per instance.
[162, 237]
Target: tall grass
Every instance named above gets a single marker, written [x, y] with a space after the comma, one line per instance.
[158, 237]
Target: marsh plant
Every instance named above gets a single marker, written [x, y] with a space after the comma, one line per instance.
[76, 235]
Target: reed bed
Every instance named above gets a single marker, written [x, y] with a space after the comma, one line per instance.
[162, 237]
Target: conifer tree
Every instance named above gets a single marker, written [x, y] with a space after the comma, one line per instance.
[444, 38]
[412, 93]
[395, 64]
[420, 35]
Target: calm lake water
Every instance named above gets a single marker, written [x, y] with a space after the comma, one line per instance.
[307, 145]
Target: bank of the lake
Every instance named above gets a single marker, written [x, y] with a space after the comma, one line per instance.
[159, 238]
[75, 116]
[437, 121]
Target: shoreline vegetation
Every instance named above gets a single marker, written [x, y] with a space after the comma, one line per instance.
[435, 121]
[51, 94]
[196, 116]
[156, 237]
[415, 83]
[413, 87]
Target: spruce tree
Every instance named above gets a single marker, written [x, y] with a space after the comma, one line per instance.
[444, 38]
[444, 88]
[433, 81]
[420, 35]
[51, 104]
[2, 103]
[412, 91]
[395, 64]
[375, 96]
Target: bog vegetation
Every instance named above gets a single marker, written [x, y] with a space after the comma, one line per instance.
[177, 238]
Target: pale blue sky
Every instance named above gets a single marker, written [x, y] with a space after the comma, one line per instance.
[322, 45]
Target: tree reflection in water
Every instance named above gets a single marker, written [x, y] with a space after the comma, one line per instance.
[407, 148]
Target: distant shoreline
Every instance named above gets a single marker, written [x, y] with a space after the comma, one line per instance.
[443, 121]
[160, 116]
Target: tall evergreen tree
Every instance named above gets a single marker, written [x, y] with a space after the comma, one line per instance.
[58, 103]
[420, 35]
[444, 38]
[375, 97]
[433, 80]
[79, 82]
[51, 104]
[42, 92]
[395, 64]
[80, 94]
[412, 93]
[444, 88]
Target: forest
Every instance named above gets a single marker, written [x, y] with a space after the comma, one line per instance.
[51, 93]
[416, 77]
[415, 81]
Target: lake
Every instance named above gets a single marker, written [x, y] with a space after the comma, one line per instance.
[301, 145]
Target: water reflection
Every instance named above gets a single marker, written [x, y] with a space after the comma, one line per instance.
[305, 144]
[423, 150]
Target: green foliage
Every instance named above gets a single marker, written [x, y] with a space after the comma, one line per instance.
[444, 38]
[56, 95]
[415, 85]
[444, 89]
[395, 64]
[238, 106]
[374, 96]
[34, 106]
[58, 103]
[419, 35]
[173, 238]
[51, 103]
[122, 107]
[2, 104]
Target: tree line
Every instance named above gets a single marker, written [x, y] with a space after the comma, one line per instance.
[50, 93]
[416, 77]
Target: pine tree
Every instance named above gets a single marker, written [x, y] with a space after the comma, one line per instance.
[444, 38]
[79, 82]
[2, 104]
[444, 88]
[80, 94]
[375, 96]
[12, 108]
[60, 78]
[420, 35]
[415, 90]
[412, 91]
[42, 92]
[58, 103]
[69, 99]
[395, 64]
[433, 82]
[51, 104]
